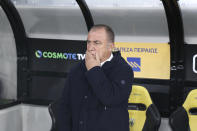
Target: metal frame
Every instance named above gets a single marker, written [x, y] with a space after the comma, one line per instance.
[176, 35]
[21, 46]
[86, 13]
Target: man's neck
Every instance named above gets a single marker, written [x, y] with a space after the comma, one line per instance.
[109, 59]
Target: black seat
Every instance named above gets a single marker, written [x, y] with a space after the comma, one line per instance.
[177, 119]
[54, 114]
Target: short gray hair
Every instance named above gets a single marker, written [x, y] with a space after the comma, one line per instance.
[108, 30]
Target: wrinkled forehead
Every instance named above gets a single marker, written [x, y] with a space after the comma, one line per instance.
[97, 34]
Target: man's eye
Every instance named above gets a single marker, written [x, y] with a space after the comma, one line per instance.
[97, 42]
[88, 42]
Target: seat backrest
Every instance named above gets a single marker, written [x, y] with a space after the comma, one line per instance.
[143, 114]
[190, 105]
[179, 120]
[53, 113]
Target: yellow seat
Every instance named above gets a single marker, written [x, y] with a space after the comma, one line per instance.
[143, 114]
[185, 117]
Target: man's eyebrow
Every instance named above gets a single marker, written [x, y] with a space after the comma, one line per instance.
[97, 41]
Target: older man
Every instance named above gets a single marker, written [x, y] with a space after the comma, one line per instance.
[95, 97]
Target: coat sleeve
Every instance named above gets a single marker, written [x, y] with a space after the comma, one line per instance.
[64, 111]
[114, 90]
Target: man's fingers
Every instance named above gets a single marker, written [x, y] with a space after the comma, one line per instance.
[87, 55]
[97, 57]
[90, 55]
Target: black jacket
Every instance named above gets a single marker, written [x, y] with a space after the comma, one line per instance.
[97, 100]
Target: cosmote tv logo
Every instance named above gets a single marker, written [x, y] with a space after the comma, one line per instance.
[135, 63]
[59, 55]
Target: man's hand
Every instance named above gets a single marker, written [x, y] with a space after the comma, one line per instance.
[91, 60]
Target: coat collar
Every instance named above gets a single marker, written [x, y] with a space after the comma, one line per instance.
[109, 59]
[114, 60]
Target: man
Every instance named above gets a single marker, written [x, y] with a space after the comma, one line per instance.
[95, 97]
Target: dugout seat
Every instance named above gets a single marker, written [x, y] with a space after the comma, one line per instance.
[53, 113]
[185, 117]
[143, 114]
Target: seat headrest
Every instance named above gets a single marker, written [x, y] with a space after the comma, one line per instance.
[190, 106]
[191, 100]
[139, 94]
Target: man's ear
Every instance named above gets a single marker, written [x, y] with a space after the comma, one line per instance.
[112, 46]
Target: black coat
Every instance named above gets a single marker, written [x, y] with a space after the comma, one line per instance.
[97, 100]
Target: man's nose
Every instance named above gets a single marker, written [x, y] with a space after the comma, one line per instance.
[90, 47]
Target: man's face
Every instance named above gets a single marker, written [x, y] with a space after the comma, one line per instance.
[97, 42]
